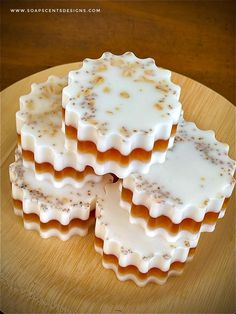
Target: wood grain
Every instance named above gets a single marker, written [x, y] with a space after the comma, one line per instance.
[195, 38]
[51, 276]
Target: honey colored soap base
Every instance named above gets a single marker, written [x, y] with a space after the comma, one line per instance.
[113, 162]
[187, 229]
[49, 202]
[123, 275]
[68, 175]
[195, 179]
[131, 272]
[128, 242]
[39, 159]
[41, 139]
[156, 154]
[35, 152]
[121, 102]
[53, 228]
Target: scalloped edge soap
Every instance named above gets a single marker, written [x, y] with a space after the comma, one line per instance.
[195, 179]
[50, 203]
[121, 102]
[128, 242]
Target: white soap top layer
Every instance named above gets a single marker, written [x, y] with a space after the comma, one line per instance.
[197, 172]
[39, 122]
[123, 98]
[129, 242]
[39, 119]
[51, 202]
[40, 115]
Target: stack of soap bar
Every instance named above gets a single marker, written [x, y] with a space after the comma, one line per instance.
[156, 226]
[119, 116]
[52, 191]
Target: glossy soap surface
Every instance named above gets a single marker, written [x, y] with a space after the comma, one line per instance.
[197, 176]
[129, 101]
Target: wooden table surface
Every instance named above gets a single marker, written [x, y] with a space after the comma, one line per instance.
[195, 38]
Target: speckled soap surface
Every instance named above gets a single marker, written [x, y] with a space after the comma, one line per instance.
[121, 102]
[49, 202]
[195, 178]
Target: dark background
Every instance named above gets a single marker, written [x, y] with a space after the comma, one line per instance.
[194, 38]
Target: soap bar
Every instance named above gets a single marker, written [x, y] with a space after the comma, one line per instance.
[129, 243]
[51, 203]
[121, 109]
[195, 182]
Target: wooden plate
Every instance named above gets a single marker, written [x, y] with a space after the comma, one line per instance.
[52, 276]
